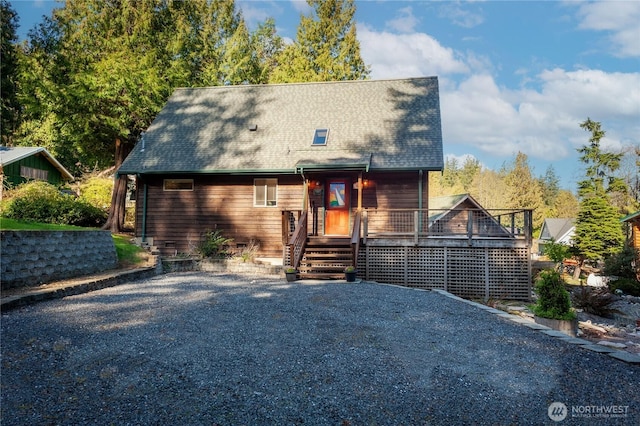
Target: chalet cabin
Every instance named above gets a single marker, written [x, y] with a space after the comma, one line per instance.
[321, 175]
[21, 164]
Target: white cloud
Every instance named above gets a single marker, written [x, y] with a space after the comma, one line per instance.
[460, 16]
[541, 123]
[405, 21]
[301, 6]
[620, 18]
[540, 117]
[406, 55]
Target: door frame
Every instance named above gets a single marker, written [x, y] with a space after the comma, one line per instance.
[345, 208]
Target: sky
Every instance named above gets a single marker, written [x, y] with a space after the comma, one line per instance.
[514, 76]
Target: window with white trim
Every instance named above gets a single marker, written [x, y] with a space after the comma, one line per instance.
[178, 185]
[265, 192]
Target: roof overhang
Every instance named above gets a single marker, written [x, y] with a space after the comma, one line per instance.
[631, 218]
[352, 163]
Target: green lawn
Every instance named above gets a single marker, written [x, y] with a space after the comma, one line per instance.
[7, 224]
[128, 253]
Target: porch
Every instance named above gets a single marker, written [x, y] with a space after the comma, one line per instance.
[473, 253]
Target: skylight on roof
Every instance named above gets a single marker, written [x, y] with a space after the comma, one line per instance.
[320, 137]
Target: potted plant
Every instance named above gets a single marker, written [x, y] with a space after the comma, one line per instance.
[350, 273]
[291, 273]
[553, 307]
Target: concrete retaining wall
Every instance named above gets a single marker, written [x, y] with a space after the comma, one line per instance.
[31, 258]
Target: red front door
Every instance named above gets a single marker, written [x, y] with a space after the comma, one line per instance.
[337, 205]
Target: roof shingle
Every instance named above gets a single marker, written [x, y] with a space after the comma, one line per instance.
[373, 124]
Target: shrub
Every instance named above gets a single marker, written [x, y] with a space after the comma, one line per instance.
[594, 300]
[622, 264]
[557, 252]
[43, 202]
[553, 299]
[249, 252]
[626, 285]
[97, 191]
[213, 244]
[81, 213]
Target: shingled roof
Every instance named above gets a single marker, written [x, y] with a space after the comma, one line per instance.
[372, 125]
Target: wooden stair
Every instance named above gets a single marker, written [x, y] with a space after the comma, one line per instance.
[325, 258]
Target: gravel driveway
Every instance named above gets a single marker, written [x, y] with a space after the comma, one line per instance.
[205, 349]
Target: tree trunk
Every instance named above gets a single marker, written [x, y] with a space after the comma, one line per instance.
[115, 220]
[578, 270]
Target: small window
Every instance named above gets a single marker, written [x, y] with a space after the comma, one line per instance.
[320, 137]
[178, 185]
[265, 192]
[31, 173]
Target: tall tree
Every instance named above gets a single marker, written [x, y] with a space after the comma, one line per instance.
[566, 204]
[470, 169]
[550, 185]
[490, 189]
[98, 71]
[598, 231]
[524, 190]
[9, 106]
[326, 47]
[267, 45]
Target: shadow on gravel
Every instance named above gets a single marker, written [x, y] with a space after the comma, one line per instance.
[197, 348]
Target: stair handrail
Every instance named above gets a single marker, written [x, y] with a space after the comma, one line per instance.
[298, 241]
[355, 237]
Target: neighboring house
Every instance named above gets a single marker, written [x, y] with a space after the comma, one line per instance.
[21, 164]
[250, 159]
[559, 230]
[633, 230]
[461, 214]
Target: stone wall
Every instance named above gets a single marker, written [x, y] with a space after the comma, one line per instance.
[227, 266]
[31, 258]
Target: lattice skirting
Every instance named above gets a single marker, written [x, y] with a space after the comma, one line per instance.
[469, 272]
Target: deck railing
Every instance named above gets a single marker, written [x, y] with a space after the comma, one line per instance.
[462, 223]
[356, 236]
[298, 241]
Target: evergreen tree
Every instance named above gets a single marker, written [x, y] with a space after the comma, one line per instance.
[598, 231]
[490, 190]
[470, 169]
[266, 45]
[97, 72]
[566, 204]
[524, 190]
[450, 172]
[550, 187]
[326, 47]
[9, 106]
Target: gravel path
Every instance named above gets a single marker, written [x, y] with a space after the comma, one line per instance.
[205, 349]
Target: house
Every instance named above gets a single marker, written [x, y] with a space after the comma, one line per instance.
[21, 164]
[633, 229]
[324, 175]
[558, 230]
[459, 214]
[248, 160]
